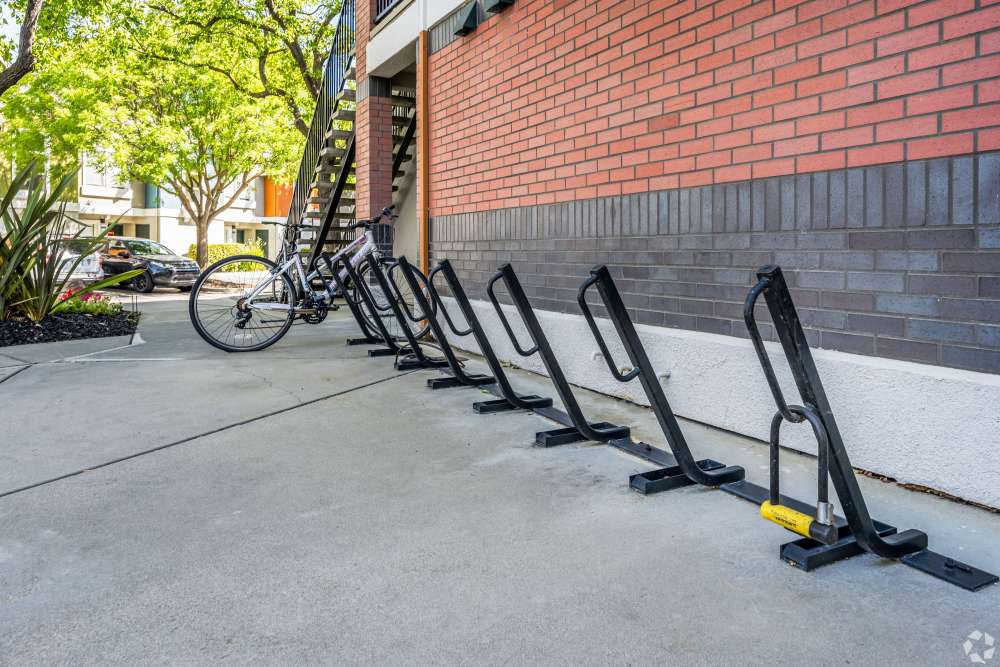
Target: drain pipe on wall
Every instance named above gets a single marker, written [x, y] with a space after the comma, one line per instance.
[423, 147]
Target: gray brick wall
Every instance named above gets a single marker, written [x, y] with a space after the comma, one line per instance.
[899, 261]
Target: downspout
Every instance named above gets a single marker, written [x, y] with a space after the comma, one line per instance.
[423, 147]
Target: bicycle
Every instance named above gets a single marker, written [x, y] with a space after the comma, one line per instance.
[246, 303]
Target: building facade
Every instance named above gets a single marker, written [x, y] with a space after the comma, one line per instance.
[685, 144]
[138, 209]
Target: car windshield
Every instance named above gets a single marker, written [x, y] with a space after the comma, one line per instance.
[79, 246]
[147, 248]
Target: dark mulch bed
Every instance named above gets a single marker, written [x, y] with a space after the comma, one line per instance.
[68, 326]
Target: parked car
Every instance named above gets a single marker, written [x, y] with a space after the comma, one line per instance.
[88, 270]
[163, 267]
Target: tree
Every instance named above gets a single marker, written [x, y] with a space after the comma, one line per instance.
[187, 129]
[196, 136]
[287, 40]
[52, 114]
[25, 60]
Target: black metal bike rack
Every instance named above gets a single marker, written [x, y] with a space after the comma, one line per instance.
[672, 473]
[578, 428]
[859, 532]
[458, 377]
[509, 398]
[411, 356]
[365, 300]
[684, 470]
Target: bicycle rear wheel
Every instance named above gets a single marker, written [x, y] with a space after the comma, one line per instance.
[218, 304]
[385, 313]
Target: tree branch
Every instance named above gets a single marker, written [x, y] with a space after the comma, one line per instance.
[183, 196]
[25, 61]
[281, 93]
[247, 180]
[295, 49]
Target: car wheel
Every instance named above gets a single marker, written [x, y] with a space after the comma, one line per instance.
[143, 283]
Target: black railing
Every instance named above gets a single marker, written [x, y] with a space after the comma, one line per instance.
[383, 8]
[334, 76]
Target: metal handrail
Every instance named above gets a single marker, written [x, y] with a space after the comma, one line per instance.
[334, 76]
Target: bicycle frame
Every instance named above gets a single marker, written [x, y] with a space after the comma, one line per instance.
[361, 247]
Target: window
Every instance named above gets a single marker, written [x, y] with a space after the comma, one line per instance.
[262, 236]
[142, 231]
[241, 236]
[97, 176]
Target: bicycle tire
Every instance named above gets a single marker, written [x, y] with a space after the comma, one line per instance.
[207, 332]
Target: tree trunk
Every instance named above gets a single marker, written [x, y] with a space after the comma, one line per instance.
[202, 227]
[25, 61]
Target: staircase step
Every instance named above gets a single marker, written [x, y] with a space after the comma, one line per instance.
[320, 208]
[343, 207]
[408, 102]
[323, 201]
[327, 168]
[348, 95]
[338, 134]
[332, 152]
[327, 185]
[343, 113]
[322, 214]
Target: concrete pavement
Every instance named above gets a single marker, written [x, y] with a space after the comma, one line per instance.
[311, 505]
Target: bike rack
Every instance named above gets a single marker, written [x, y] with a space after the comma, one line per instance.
[859, 532]
[671, 475]
[458, 377]
[685, 470]
[578, 428]
[414, 356]
[509, 399]
[366, 300]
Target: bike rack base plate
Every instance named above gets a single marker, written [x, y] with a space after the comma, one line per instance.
[364, 341]
[950, 570]
[381, 352]
[665, 479]
[503, 405]
[804, 553]
[569, 435]
[807, 554]
[410, 362]
[451, 381]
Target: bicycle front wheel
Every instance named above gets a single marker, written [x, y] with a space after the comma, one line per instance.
[223, 313]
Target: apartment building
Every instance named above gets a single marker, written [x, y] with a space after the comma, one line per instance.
[855, 143]
[147, 211]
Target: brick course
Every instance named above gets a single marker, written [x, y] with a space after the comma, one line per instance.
[554, 102]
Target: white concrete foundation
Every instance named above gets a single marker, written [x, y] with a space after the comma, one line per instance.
[919, 424]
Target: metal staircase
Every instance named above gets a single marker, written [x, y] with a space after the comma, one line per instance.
[324, 199]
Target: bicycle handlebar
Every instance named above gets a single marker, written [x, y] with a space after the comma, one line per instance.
[387, 212]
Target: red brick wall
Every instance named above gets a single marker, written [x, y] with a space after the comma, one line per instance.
[373, 159]
[373, 131]
[554, 101]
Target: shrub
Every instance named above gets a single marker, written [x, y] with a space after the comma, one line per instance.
[217, 251]
[35, 262]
